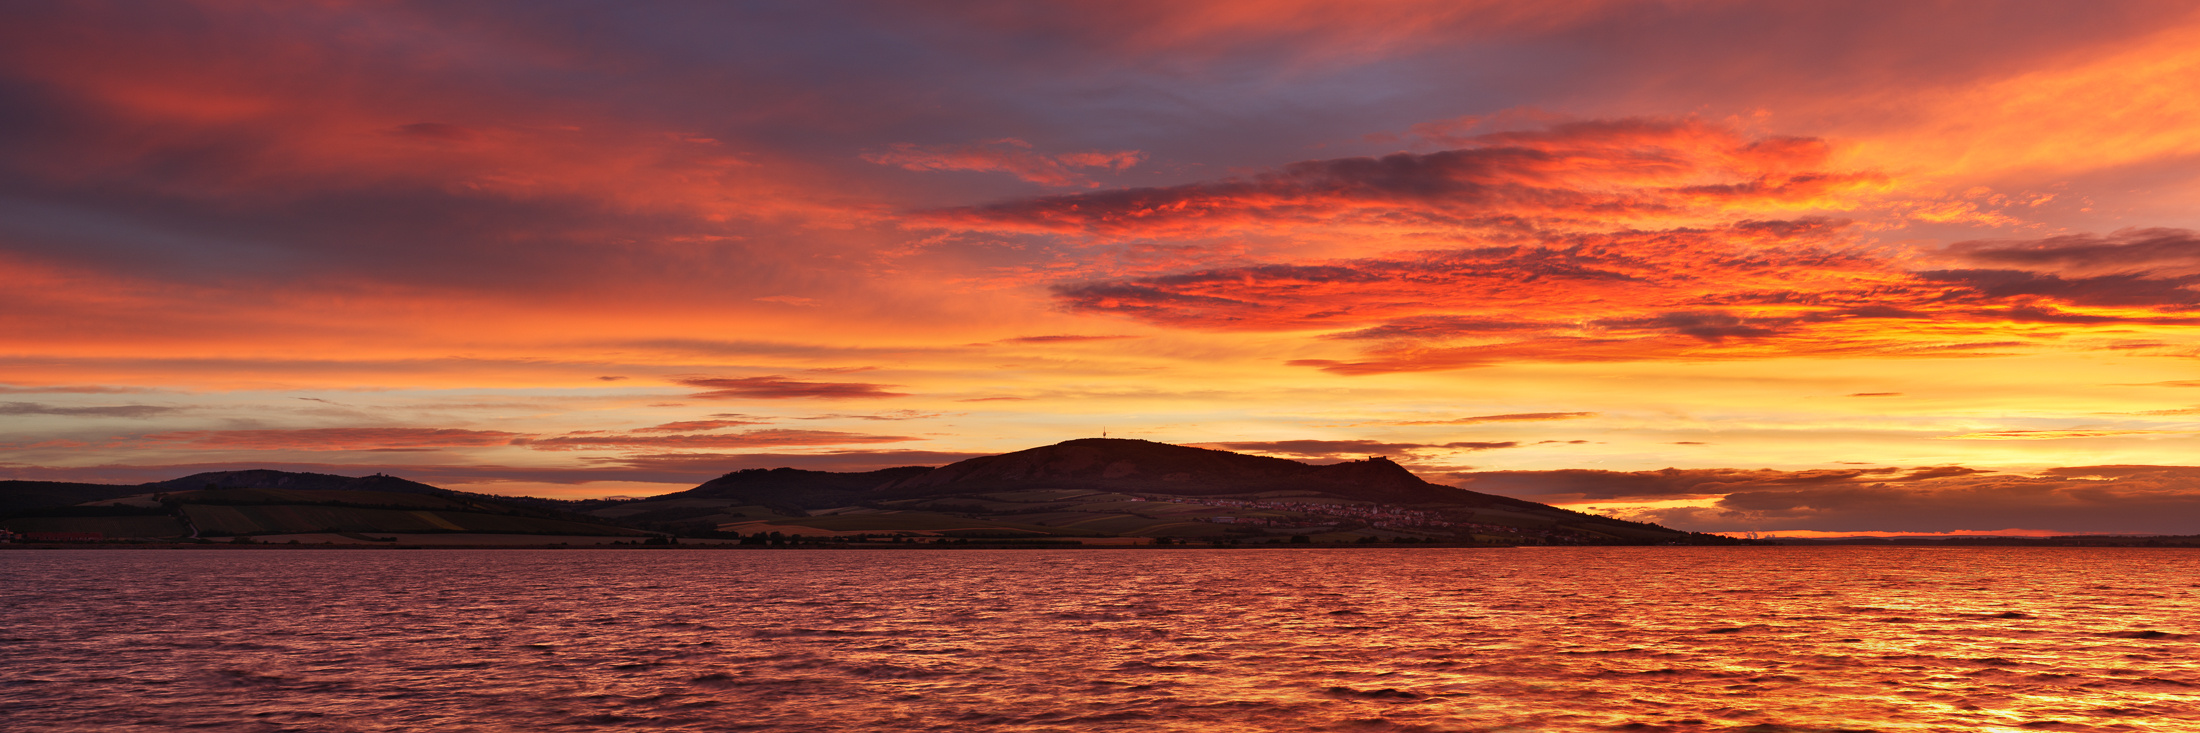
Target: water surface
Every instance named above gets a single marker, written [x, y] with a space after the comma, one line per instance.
[1525, 639]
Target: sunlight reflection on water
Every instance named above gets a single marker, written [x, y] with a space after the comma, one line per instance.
[1527, 639]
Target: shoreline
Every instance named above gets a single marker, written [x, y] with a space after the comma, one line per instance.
[887, 547]
[882, 546]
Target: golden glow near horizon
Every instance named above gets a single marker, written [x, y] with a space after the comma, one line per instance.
[1929, 271]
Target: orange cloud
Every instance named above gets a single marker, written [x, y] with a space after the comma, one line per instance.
[332, 439]
[2160, 502]
[2058, 434]
[2120, 102]
[893, 415]
[2154, 252]
[779, 388]
[692, 425]
[1511, 417]
[1572, 279]
[1751, 290]
[1309, 31]
[1584, 175]
[72, 389]
[1576, 485]
[714, 464]
[124, 411]
[2156, 499]
[1350, 449]
[1059, 339]
[1007, 156]
[749, 439]
[248, 114]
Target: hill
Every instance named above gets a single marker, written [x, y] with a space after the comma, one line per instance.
[1127, 488]
[1093, 490]
[745, 496]
[266, 479]
[1117, 464]
[20, 496]
[258, 503]
[796, 488]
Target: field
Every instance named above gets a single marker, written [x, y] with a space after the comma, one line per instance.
[385, 499]
[399, 539]
[278, 519]
[110, 527]
[703, 511]
[911, 522]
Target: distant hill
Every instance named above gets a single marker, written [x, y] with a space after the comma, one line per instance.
[1113, 487]
[1118, 490]
[19, 496]
[1116, 464]
[267, 479]
[799, 489]
[264, 502]
[261, 478]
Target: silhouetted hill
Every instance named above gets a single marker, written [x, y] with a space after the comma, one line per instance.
[261, 478]
[17, 496]
[1116, 464]
[265, 502]
[797, 488]
[1135, 488]
[1079, 488]
[1110, 464]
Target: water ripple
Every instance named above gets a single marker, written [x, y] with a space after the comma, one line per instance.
[1563, 639]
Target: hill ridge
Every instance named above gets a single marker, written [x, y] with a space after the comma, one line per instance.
[1130, 464]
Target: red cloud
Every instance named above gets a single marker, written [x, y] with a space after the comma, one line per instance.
[125, 411]
[1561, 283]
[1511, 417]
[1344, 449]
[688, 425]
[888, 415]
[436, 131]
[2138, 499]
[1008, 156]
[1755, 289]
[2026, 292]
[776, 387]
[1589, 174]
[309, 439]
[1060, 339]
[839, 460]
[2058, 434]
[750, 439]
[72, 389]
[2130, 250]
[1590, 484]
[1560, 268]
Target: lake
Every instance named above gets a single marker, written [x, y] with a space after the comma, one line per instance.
[1760, 639]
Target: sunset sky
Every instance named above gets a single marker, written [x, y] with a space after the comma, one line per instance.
[1729, 266]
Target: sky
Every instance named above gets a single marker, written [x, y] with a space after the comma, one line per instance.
[1799, 268]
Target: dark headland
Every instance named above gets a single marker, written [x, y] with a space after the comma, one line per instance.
[1082, 492]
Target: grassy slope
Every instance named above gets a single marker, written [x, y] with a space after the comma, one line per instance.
[920, 522]
[21, 496]
[1095, 486]
[109, 527]
[296, 518]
